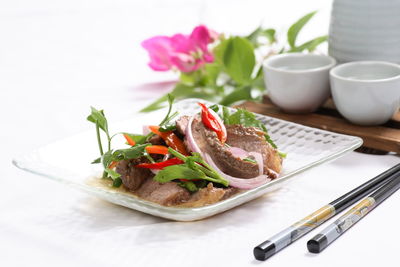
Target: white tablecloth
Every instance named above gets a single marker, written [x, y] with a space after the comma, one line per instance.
[59, 57]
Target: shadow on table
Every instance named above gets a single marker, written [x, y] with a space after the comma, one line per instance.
[100, 216]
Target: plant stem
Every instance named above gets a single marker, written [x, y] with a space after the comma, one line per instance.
[99, 140]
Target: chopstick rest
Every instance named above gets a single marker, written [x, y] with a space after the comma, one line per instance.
[341, 225]
[284, 238]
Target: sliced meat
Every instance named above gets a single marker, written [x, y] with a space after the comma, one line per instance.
[132, 177]
[208, 142]
[252, 139]
[209, 195]
[169, 194]
[156, 140]
[181, 124]
[148, 187]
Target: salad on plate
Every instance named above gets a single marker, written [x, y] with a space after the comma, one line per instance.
[190, 161]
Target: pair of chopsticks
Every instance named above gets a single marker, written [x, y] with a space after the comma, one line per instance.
[377, 189]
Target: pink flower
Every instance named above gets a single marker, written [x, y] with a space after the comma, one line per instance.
[184, 52]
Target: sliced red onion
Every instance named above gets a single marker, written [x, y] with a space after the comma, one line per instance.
[260, 162]
[189, 137]
[154, 171]
[145, 130]
[241, 183]
[238, 152]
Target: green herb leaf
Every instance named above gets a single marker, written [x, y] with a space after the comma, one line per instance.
[138, 138]
[248, 119]
[239, 59]
[214, 107]
[107, 158]
[97, 117]
[180, 91]
[189, 185]
[117, 182]
[129, 153]
[260, 32]
[170, 99]
[296, 28]
[178, 172]
[112, 174]
[219, 51]
[243, 93]
[167, 128]
[96, 161]
[310, 45]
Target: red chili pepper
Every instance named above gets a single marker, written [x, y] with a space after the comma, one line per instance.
[163, 150]
[113, 164]
[212, 123]
[160, 165]
[171, 139]
[129, 140]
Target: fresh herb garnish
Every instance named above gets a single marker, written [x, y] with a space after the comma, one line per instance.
[245, 118]
[107, 157]
[189, 185]
[250, 160]
[98, 118]
[167, 128]
[194, 168]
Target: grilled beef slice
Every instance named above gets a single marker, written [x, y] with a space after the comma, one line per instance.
[181, 124]
[140, 182]
[208, 142]
[209, 195]
[132, 177]
[252, 139]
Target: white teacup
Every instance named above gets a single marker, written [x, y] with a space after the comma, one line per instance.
[366, 92]
[296, 82]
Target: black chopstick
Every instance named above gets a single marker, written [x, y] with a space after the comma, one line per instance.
[299, 229]
[336, 229]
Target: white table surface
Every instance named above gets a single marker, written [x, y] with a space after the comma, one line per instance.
[59, 57]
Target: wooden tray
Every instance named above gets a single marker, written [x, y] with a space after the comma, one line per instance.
[383, 138]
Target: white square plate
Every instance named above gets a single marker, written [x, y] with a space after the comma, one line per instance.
[68, 161]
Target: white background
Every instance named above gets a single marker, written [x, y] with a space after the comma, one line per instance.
[59, 57]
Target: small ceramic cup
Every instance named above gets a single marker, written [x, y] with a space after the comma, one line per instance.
[296, 82]
[366, 92]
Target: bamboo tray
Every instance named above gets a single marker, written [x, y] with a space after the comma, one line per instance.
[384, 138]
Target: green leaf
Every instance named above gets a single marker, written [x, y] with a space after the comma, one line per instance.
[112, 174]
[260, 32]
[170, 99]
[167, 128]
[128, 153]
[155, 105]
[310, 45]
[243, 117]
[212, 72]
[96, 161]
[180, 91]
[243, 93]
[248, 119]
[117, 182]
[107, 158]
[178, 172]
[189, 185]
[138, 138]
[97, 117]
[296, 28]
[219, 51]
[225, 114]
[239, 60]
